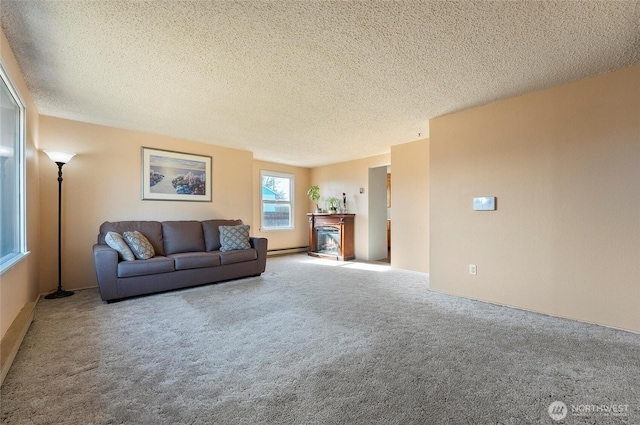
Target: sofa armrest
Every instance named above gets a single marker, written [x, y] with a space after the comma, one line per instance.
[260, 245]
[106, 263]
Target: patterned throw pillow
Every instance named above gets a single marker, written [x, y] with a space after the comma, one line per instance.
[234, 237]
[139, 244]
[115, 241]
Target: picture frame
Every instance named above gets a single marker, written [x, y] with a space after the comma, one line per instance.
[175, 176]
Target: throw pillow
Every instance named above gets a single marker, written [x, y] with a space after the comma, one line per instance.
[139, 244]
[115, 241]
[234, 237]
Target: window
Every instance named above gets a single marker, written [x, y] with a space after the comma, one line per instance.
[12, 184]
[277, 200]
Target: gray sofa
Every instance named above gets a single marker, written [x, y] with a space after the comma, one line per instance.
[187, 253]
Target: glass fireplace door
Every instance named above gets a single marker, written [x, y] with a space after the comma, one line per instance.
[328, 240]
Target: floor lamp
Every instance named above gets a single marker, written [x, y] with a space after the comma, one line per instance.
[60, 158]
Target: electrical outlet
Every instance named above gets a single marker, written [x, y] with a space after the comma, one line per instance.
[473, 269]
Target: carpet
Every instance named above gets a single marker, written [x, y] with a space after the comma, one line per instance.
[313, 341]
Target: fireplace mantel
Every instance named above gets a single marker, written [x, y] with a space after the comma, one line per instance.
[331, 236]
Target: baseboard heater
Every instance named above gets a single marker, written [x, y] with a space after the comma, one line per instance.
[285, 251]
[13, 338]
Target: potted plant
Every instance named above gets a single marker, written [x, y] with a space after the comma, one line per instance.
[333, 204]
[314, 195]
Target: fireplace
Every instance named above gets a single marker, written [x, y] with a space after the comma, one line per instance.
[331, 236]
[327, 240]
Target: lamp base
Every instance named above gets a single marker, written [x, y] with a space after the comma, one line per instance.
[60, 293]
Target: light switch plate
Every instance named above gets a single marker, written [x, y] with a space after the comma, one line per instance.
[484, 203]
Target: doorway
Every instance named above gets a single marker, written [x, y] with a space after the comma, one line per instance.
[388, 259]
[378, 220]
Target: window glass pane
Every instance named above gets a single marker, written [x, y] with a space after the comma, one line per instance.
[276, 215]
[276, 188]
[10, 210]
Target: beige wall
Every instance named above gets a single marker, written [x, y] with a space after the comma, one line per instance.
[564, 164]
[410, 206]
[349, 177]
[283, 239]
[102, 183]
[19, 285]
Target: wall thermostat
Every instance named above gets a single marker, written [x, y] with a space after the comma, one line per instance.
[484, 203]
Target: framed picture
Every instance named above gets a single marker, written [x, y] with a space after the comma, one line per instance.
[175, 176]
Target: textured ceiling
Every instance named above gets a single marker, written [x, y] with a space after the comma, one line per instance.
[305, 82]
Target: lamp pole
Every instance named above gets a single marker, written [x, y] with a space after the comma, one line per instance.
[60, 158]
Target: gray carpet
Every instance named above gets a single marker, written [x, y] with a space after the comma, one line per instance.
[315, 342]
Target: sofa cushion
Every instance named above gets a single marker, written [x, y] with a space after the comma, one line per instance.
[152, 230]
[182, 236]
[234, 237]
[196, 260]
[141, 247]
[232, 257]
[212, 232]
[116, 241]
[140, 268]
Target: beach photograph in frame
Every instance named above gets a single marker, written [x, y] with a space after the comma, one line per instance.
[175, 176]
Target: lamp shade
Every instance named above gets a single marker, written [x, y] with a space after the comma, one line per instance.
[62, 157]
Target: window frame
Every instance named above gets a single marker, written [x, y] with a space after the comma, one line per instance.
[290, 202]
[10, 261]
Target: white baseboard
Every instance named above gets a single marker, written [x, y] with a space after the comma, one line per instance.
[12, 340]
